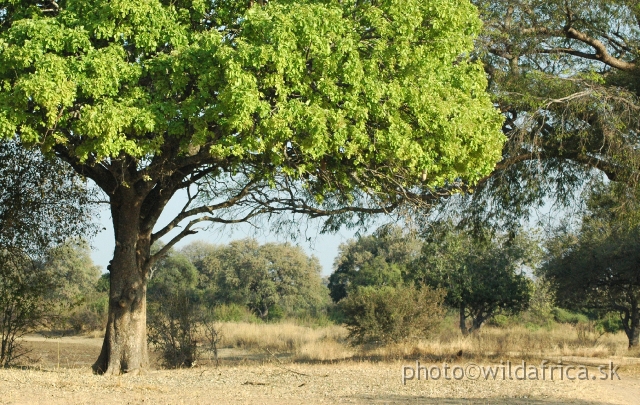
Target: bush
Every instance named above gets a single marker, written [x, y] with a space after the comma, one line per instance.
[387, 314]
[563, 316]
[499, 321]
[233, 313]
[610, 323]
[275, 313]
[172, 328]
[22, 307]
[91, 314]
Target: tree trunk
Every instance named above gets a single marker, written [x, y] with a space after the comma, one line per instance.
[124, 349]
[633, 330]
[463, 321]
[477, 323]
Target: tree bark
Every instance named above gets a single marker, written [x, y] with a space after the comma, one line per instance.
[124, 349]
[463, 321]
[633, 330]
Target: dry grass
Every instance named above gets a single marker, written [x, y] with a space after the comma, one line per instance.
[328, 344]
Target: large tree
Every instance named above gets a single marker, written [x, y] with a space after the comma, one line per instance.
[311, 106]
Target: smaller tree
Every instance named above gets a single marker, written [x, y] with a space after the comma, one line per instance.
[262, 277]
[387, 314]
[77, 299]
[482, 273]
[378, 260]
[22, 304]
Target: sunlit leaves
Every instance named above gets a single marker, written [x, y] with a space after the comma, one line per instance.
[355, 86]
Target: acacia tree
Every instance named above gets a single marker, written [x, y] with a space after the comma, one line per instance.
[319, 106]
[566, 76]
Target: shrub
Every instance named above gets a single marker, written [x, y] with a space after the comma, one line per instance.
[275, 313]
[233, 313]
[387, 314]
[499, 321]
[563, 316]
[91, 314]
[172, 328]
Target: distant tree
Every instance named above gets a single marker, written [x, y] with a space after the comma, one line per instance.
[483, 274]
[263, 277]
[380, 259]
[176, 310]
[596, 266]
[22, 304]
[76, 299]
[71, 264]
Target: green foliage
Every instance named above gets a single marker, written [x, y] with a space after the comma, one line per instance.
[175, 311]
[71, 264]
[351, 84]
[610, 323]
[42, 203]
[387, 314]
[262, 278]
[89, 315]
[561, 315]
[566, 76]
[481, 273]
[541, 304]
[77, 299]
[499, 321]
[233, 313]
[379, 259]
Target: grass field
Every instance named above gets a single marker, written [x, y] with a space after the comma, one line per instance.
[290, 363]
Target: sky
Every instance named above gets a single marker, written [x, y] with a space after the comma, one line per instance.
[324, 247]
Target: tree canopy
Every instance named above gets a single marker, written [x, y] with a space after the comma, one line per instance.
[379, 259]
[565, 75]
[42, 202]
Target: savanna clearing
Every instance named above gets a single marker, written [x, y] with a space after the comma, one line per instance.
[290, 363]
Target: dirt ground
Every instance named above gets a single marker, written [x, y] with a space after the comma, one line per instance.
[60, 374]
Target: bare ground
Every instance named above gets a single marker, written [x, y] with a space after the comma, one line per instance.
[271, 382]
